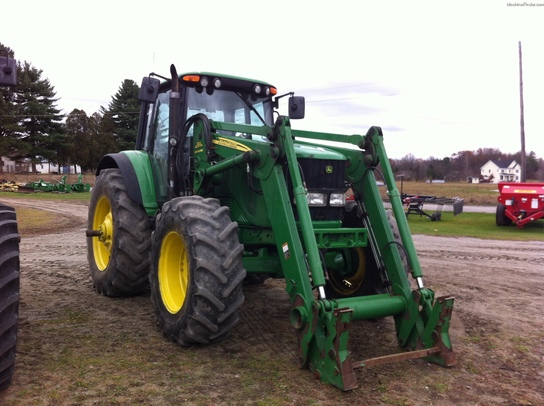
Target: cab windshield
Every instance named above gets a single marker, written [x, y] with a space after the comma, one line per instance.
[230, 107]
[222, 105]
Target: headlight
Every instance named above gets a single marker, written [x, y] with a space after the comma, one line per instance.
[316, 199]
[337, 199]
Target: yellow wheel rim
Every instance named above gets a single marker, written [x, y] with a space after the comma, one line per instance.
[348, 281]
[103, 221]
[173, 272]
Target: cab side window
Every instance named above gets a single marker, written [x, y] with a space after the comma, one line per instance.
[162, 113]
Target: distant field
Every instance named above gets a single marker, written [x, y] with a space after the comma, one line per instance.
[475, 194]
[20, 178]
[475, 225]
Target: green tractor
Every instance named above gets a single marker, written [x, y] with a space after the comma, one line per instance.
[221, 191]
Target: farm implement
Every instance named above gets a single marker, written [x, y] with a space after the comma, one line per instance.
[413, 204]
[42, 186]
[519, 203]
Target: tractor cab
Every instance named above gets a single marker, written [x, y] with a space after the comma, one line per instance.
[166, 123]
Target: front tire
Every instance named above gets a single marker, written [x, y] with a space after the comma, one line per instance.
[196, 270]
[9, 292]
[119, 257]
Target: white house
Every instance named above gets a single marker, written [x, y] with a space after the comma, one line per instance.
[495, 171]
[9, 165]
[49, 167]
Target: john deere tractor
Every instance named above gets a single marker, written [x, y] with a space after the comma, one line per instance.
[221, 190]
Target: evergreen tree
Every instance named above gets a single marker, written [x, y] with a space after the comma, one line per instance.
[77, 130]
[123, 111]
[91, 138]
[531, 164]
[9, 125]
[104, 141]
[41, 132]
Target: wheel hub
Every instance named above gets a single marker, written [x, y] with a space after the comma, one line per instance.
[347, 270]
[103, 224]
[173, 272]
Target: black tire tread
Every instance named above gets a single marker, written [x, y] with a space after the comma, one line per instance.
[128, 271]
[9, 293]
[217, 273]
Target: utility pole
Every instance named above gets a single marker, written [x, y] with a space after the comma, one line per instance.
[522, 119]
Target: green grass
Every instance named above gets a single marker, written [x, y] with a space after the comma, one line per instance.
[476, 225]
[74, 197]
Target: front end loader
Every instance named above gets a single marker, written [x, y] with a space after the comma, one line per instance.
[220, 189]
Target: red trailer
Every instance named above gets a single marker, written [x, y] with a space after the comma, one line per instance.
[520, 203]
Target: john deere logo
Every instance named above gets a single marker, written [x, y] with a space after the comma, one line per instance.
[328, 169]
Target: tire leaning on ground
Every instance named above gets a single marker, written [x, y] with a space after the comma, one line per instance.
[9, 292]
[119, 258]
[196, 270]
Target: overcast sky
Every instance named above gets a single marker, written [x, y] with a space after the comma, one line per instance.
[438, 77]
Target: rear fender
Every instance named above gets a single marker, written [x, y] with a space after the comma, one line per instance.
[137, 174]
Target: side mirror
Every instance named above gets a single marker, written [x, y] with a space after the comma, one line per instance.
[8, 70]
[296, 107]
[149, 90]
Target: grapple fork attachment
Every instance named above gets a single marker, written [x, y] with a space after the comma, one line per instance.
[323, 342]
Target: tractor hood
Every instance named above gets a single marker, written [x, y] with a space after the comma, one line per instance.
[317, 152]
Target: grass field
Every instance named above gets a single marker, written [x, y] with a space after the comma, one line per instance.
[475, 194]
[477, 225]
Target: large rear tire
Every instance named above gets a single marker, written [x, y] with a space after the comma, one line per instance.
[9, 292]
[119, 257]
[196, 270]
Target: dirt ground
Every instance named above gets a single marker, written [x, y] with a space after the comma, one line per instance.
[79, 348]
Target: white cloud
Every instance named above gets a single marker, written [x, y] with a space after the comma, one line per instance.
[438, 78]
